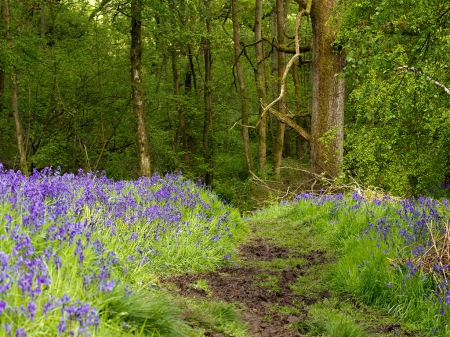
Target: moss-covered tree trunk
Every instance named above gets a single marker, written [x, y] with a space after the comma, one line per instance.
[176, 93]
[261, 85]
[243, 89]
[137, 88]
[6, 15]
[207, 97]
[327, 121]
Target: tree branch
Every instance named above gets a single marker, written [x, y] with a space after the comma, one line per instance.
[428, 78]
[285, 49]
[282, 117]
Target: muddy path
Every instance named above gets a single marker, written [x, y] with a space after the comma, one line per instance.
[275, 286]
[260, 290]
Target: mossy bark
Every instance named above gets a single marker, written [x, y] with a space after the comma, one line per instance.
[327, 124]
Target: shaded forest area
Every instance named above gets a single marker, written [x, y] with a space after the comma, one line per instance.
[245, 95]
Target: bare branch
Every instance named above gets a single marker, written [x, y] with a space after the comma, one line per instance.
[428, 78]
[285, 49]
[281, 117]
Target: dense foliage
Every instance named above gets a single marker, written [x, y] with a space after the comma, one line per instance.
[398, 118]
[71, 61]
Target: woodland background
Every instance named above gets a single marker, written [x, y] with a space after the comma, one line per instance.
[140, 86]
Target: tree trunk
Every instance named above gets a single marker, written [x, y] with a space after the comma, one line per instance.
[261, 85]
[327, 124]
[176, 93]
[243, 89]
[192, 68]
[207, 122]
[137, 90]
[2, 65]
[169, 117]
[299, 140]
[15, 92]
[2, 87]
[19, 135]
[278, 153]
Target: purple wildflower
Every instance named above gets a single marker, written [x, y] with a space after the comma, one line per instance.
[20, 333]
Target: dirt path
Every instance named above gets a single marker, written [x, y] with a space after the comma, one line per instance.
[260, 290]
[281, 277]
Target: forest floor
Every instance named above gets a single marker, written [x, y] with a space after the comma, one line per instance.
[283, 290]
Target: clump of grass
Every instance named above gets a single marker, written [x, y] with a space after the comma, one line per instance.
[324, 320]
[393, 253]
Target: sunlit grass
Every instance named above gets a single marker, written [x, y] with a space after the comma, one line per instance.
[390, 254]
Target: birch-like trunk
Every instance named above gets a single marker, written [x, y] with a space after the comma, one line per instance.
[278, 153]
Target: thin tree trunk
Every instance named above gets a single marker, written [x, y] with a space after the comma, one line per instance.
[298, 139]
[2, 87]
[15, 92]
[43, 20]
[192, 68]
[273, 85]
[261, 85]
[207, 121]
[19, 135]
[2, 66]
[137, 88]
[243, 89]
[169, 117]
[327, 124]
[278, 153]
[176, 93]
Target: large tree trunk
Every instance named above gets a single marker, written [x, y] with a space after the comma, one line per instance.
[207, 122]
[278, 153]
[176, 93]
[261, 85]
[15, 92]
[243, 89]
[137, 89]
[327, 124]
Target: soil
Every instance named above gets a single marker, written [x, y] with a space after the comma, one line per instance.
[256, 289]
[259, 291]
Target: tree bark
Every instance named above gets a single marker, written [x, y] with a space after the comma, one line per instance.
[261, 85]
[300, 142]
[137, 90]
[207, 121]
[243, 89]
[15, 93]
[278, 153]
[2, 65]
[181, 120]
[327, 123]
